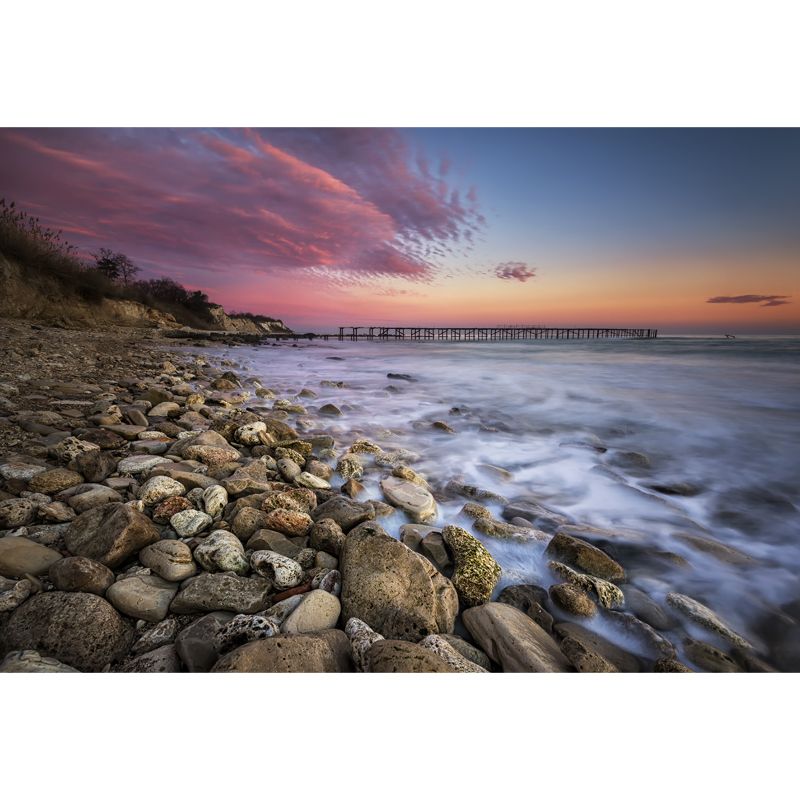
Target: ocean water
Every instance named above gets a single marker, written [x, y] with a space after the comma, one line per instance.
[589, 428]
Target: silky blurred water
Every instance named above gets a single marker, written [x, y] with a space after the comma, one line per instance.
[559, 416]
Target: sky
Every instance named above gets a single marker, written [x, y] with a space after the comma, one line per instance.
[684, 230]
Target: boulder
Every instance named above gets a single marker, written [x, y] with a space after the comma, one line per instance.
[476, 573]
[110, 534]
[412, 498]
[327, 536]
[325, 651]
[19, 556]
[573, 600]
[144, 597]
[584, 557]
[79, 574]
[79, 629]
[513, 640]
[220, 592]
[397, 592]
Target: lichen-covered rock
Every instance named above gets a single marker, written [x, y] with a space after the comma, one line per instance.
[512, 639]
[54, 481]
[442, 648]
[170, 559]
[20, 556]
[80, 574]
[394, 655]
[361, 637]
[705, 617]
[585, 659]
[221, 551]
[584, 557]
[32, 661]
[220, 592]
[190, 522]
[292, 523]
[144, 597]
[395, 591]
[284, 572]
[79, 629]
[325, 651]
[476, 573]
[110, 534]
[244, 628]
[609, 595]
[573, 600]
[350, 467]
[412, 498]
[317, 611]
[159, 488]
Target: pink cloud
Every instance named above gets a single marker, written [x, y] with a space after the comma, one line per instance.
[514, 270]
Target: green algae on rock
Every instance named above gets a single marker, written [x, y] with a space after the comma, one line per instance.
[476, 572]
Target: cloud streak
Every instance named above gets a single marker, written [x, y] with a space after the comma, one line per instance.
[514, 270]
[766, 300]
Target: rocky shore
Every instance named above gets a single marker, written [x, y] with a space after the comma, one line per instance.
[164, 512]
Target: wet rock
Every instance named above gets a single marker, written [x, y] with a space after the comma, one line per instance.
[19, 556]
[512, 639]
[709, 658]
[396, 592]
[311, 481]
[644, 607]
[585, 659]
[110, 534]
[539, 515]
[361, 637]
[476, 573]
[504, 530]
[16, 512]
[330, 410]
[317, 611]
[441, 647]
[79, 574]
[350, 467]
[573, 600]
[345, 513]
[291, 523]
[609, 595]
[681, 489]
[352, 488]
[599, 645]
[196, 644]
[633, 462]
[670, 665]
[144, 597]
[584, 557]
[284, 572]
[412, 498]
[251, 433]
[327, 536]
[162, 659]
[81, 630]
[159, 488]
[704, 617]
[433, 548]
[190, 522]
[722, 552]
[476, 511]
[650, 641]
[325, 651]
[53, 481]
[220, 592]
[32, 661]
[221, 551]
[244, 628]
[530, 600]
[169, 559]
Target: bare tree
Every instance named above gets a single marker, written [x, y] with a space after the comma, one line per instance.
[115, 266]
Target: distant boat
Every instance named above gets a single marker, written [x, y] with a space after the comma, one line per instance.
[729, 336]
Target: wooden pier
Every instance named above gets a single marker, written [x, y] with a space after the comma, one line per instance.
[380, 333]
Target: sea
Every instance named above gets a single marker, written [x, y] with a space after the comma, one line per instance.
[678, 455]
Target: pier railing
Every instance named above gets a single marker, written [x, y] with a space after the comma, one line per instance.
[502, 332]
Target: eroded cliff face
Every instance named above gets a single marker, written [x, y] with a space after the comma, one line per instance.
[238, 325]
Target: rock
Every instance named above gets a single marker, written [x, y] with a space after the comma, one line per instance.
[361, 637]
[169, 559]
[573, 600]
[196, 644]
[584, 659]
[704, 617]
[412, 498]
[222, 551]
[670, 665]
[144, 597]
[266, 539]
[162, 659]
[95, 465]
[284, 572]
[16, 512]
[644, 607]
[636, 463]
[350, 467]
[79, 574]
[345, 513]
[250, 434]
[607, 593]
[19, 471]
[14, 593]
[167, 509]
[584, 557]
[292, 523]
[391, 655]
[441, 647]
[512, 639]
[330, 410]
[504, 530]
[600, 646]
[244, 628]
[160, 634]
[469, 651]
[159, 488]
[93, 497]
[190, 522]
[722, 552]
[650, 641]
[709, 658]
[215, 498]
[540, 516]
[136, 465]
[19, 556]
[288, 469]
[209, 447]
[327, 536]
[476, 573]
[530, 600]
[79, 629]
[110, 534]
[433, 548]
[311, 481]
[220, 592]
[325, 651]
[395, 591]
[68, 449]
[317, 611]
[32, 661]
[329, 580]
[54, 481]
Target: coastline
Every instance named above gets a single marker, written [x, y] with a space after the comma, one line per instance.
[208, 537]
